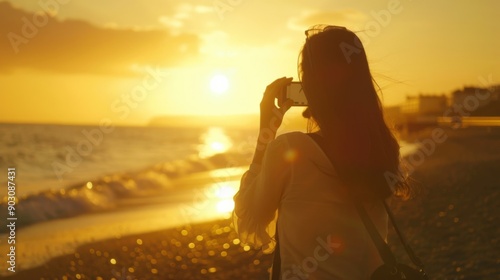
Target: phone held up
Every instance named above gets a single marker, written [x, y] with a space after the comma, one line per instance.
[294, 92]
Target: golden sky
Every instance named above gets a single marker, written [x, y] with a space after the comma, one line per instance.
[79, 61]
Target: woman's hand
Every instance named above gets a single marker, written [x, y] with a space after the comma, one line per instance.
[271, 116]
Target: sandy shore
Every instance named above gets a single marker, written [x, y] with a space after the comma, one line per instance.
[453, 225]
[203, 251]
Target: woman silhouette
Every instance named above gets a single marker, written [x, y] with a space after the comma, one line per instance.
[292, 183]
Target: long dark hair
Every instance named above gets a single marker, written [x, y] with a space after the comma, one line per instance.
[343, 102]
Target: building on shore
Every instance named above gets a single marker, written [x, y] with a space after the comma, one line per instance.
[475, 97]
[420, 111]
[424, 105]
[424, 110]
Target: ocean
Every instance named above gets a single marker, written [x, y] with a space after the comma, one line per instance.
[80, 184]
[57, 156]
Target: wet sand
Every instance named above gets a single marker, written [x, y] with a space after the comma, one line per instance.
[453, 225]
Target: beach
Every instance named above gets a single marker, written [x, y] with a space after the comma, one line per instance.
[452, 224]
[202, 251]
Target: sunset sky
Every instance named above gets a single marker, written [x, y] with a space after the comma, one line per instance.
[129, 60]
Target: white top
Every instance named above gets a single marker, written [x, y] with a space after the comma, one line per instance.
[320, 232]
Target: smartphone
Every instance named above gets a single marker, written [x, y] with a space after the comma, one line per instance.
[294, 92]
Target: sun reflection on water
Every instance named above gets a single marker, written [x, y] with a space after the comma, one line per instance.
[225, 195]
[225, 206]
[214, 141]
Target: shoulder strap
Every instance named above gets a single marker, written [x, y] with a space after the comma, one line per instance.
[382, 247]
[416, 260]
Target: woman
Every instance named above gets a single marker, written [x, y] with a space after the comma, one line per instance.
[292, 181]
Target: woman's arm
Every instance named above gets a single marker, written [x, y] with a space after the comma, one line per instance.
[261, 186]
[259, 196]
[271, 117]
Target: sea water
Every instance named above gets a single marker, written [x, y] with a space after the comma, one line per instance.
[57, 156]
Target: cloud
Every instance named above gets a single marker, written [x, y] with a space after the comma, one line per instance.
[194, 9]
[171, 22]
[349, 18]
[186, 16]
[37, 41]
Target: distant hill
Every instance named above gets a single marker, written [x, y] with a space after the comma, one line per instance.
[204, 121]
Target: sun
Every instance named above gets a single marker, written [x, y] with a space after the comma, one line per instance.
[219, 84]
